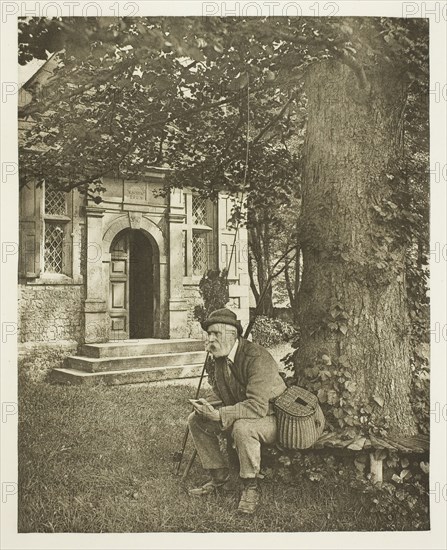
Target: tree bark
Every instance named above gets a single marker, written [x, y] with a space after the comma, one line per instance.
[353, 265]
[293, 283]
[289, 286]
[252, 278]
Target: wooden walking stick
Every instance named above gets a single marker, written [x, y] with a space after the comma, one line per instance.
[178, 456]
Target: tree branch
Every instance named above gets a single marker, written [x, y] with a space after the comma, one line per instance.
[252, 279]
[275, 119]
[358, 68]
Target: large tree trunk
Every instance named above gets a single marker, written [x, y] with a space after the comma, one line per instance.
[352, 299]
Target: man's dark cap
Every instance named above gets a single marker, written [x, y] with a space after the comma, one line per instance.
[224, 316]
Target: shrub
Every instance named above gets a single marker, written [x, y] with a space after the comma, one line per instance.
[269, 332]
[213, 288]
[36, 365]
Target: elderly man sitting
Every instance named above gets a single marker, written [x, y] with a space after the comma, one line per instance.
[246, 380]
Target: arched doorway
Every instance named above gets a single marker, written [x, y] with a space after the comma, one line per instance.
[133, 288]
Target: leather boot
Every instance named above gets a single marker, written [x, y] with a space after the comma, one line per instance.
[219, 477]
[250, 496]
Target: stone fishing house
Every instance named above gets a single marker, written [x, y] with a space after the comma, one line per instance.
[117, 282]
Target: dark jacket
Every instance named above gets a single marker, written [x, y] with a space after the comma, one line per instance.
[256, 381]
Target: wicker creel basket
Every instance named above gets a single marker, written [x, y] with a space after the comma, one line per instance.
[300, 419]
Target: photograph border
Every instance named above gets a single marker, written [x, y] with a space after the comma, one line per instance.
[436, 12]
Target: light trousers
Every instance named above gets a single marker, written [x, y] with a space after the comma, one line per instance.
[248, 434]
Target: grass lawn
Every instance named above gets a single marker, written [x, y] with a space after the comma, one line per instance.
[99, 459]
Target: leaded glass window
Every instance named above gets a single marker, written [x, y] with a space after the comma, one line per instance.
[199, 253]
[198, 231]
[57, 228]
[199, 211]
[55, 201]
[54, 247]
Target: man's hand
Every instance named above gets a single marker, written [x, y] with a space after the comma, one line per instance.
[204, 409]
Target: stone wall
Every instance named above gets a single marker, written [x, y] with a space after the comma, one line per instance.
[50, 313]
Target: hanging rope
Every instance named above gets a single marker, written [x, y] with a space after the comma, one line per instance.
[247, 158]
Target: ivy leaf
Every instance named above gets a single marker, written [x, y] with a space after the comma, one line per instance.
[326, 359]
[322, 397]
[332, 399]
[425, 467]
[378, 400]
[241, 81]
[194, 53]
[358, 444]
[314, 371]
[334, 312]
[343, 329]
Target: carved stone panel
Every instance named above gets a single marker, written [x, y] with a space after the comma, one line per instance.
[135, 220]
[135, 192]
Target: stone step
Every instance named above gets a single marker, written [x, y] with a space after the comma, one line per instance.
[104, 364]
[145, 346]
[129, 376]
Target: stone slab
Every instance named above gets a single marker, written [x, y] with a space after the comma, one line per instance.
[130, 376]
[147, 346]
[102, 364]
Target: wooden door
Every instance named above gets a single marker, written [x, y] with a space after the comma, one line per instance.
[141, 293]
[119, 289]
